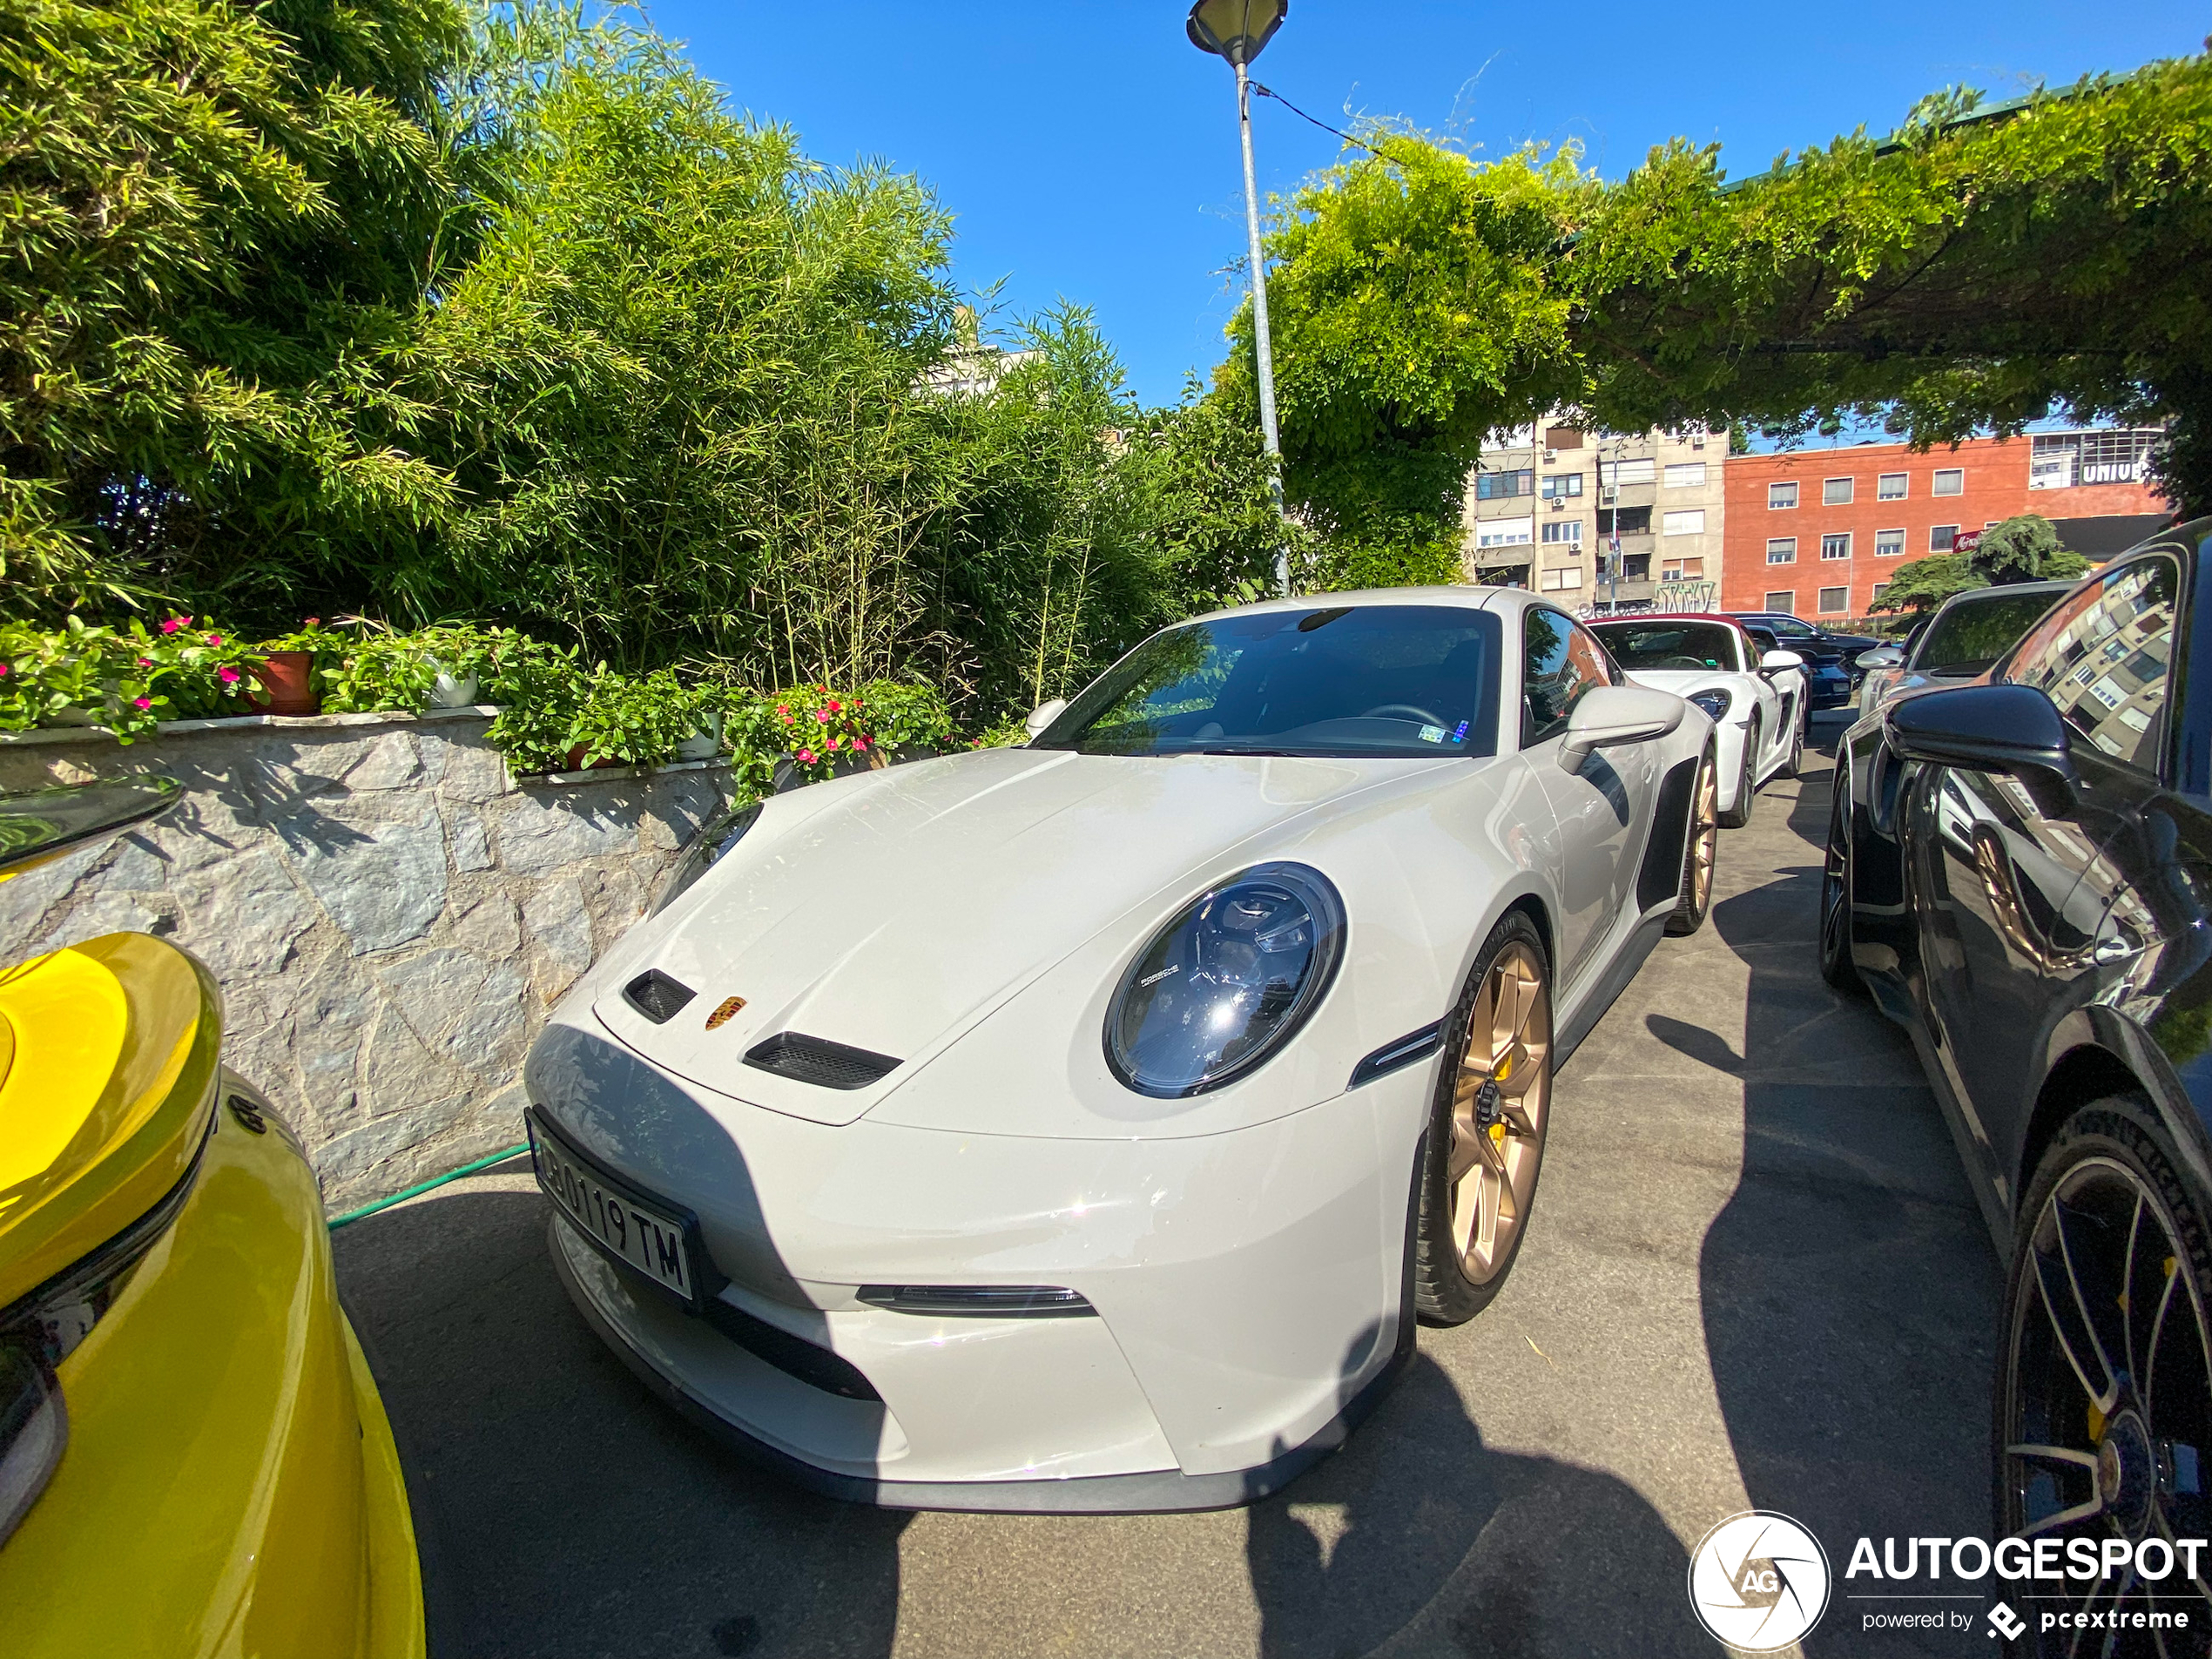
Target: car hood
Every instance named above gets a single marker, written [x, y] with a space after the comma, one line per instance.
[891, 911]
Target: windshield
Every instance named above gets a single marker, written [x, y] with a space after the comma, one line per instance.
[1676, 644]
[1359, 680]
[1970, 634]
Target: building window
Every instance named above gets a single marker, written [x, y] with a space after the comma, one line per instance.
[1836, 492]
[1562, 437]
[1683, 475]
[1836, 544]
[1559, 485]
[1503, 486]
[1567, 529]
[1782, 494]
[1683, 569]
[1689, 522]
[1834, 602]
[1889, 544]
[1568, 575]
[1629, 520]
[1504, 532]
[1890, 486]
[1950, 481]
[1879, 586]
[1783, 549]
[1782, 604]
[1610, 472]
[1635, 567]
[1941, 537]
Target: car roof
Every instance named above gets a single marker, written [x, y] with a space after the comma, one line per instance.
[1653, 619]
[1974, 595]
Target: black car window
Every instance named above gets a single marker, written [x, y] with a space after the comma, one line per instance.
[1669, 644]
[1380, 680]
[1560, 663]
[2102, 656]
[1970, 634]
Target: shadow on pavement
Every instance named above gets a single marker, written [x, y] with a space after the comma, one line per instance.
[562, 1508]
[1416, 1538]
[1848, 1287]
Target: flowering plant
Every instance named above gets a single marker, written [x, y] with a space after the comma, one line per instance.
[126, 679]
[819, 728]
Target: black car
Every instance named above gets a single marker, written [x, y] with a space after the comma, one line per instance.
[2019, 871]
[1815, 644]
[1827, 682]
[1966, 634]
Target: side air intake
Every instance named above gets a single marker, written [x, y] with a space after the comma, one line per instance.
[988, 1301]
[819, 1061]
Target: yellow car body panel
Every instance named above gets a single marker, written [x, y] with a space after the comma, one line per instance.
[230, 1484]
[114, 1047]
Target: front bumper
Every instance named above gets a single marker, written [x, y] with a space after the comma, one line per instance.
[1250, 1290]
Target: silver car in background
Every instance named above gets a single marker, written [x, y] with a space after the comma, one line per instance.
[1966, 634]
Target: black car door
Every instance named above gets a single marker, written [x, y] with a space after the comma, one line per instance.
[2010, 899]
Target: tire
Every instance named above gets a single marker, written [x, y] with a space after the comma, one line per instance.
[1790, 767]
[1835, 934]
[1746, 785]
[1467, 1235]
[2104, 1366]
[1695, 895]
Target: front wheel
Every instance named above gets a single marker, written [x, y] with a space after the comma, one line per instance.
[1700, 845]
[1486, 1136]
[2103, 1411]
[1835, 964]
[1798, 724]
[1747, 782]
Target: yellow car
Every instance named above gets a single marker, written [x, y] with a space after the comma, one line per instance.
[194, 1458]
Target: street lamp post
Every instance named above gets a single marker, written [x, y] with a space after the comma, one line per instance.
[1238, 31]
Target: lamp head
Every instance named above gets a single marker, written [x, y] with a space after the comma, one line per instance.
[1236, 29]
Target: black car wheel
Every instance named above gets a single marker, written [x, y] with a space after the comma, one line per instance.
[2103, 1419]
[1747, 781]
[1835, 964]
[1798, 724]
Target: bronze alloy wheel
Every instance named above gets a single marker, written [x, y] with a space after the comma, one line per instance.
[2104, 1401]
[1485, 1145]
[1746, 787]
[1704, 843]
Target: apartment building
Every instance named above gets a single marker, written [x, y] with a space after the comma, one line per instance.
[1598, 520]
[1816, 532]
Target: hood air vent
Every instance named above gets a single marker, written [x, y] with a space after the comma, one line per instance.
[817, 1060]
[660, 998]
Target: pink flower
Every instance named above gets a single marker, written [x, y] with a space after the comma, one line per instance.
[836, 707]
[214, 639]
[807, 757]
[228, 676]
[833, 742]
[141, 702]
[3, 670]
[145, 661]
[859, 743]
[821, 715]
[173, 625]
[784, 709]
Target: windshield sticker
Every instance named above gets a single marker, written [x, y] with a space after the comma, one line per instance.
[1432, 734]
[1459, 732]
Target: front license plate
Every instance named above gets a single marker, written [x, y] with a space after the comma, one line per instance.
[639, 1235]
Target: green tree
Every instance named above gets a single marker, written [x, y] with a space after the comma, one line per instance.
[2025, 547]
[1919, 585]
[1973, 271]
[215, 222]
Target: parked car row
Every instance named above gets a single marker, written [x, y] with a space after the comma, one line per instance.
[2019, 871]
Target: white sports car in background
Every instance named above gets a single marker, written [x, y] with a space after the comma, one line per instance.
[1081, 1126]
[1757, 701]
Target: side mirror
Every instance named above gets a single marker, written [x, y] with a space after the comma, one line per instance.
[1044, 714]
[1773, 662]
[1882, 657]
[1611, 714]
[2013, 729]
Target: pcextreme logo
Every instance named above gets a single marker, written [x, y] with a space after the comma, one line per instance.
[1758, 1582]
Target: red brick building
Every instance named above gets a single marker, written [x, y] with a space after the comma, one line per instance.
[1816, 532]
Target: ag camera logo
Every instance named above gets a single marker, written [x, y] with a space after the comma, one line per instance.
[1758, 1582]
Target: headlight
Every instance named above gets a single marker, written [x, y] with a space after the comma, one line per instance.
[715, 836]
[1227, 982]
[1714, 699]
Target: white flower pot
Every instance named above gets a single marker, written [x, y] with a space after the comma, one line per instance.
[703, 744]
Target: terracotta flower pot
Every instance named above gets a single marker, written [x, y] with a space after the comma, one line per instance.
[574, 762]
[287, 683]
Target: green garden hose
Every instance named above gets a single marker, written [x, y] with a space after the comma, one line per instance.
[433, 1183]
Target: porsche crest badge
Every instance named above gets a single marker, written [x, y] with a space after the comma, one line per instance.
[722, 1014]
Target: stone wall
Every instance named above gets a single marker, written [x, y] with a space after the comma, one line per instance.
[390, 914]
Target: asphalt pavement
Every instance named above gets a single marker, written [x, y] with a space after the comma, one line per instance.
[1754, 1278]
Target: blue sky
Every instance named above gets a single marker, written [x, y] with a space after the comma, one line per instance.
[1089, 151]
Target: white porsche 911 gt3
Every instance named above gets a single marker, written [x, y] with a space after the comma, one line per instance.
[1757, 701]
[1081, 1126]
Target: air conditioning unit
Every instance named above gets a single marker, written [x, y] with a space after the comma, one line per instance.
[1551, 455]
[1559, 504]
[1697, 443]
